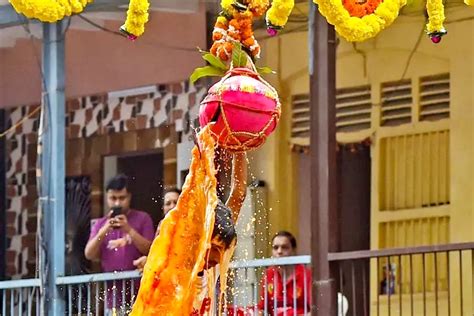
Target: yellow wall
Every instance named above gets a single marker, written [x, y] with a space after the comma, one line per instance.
[375, 62]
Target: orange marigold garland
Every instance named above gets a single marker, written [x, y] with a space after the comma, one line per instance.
[361, 9]
[238, 29]
[234, 25]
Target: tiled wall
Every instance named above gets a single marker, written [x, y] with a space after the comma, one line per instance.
[95, 125]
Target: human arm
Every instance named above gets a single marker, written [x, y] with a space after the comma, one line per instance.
[239, 184]
[140, 239]
[140, 263]
[98, 233]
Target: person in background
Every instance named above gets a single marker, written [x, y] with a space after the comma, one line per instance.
[170, 199]
[120, 237]
[223, 234]
[285, 290]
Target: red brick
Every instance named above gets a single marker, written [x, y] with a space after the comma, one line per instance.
[28, 241]
[130, 100]
[131, 124]
[192, 98]
[32, 138]
[141, 97]
[19, 165]
[31, 224]
[177, 114]
[11, 256]
[11, 217]
[141, 121]
[19, 129]
[88, 115]
[11, 191]
[157, 104]
[73, 105]
[11, 269]
[74, 131]
[116, 114]
[11, 231]
[176, 88]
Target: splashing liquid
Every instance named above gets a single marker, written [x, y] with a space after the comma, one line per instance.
[168, 285]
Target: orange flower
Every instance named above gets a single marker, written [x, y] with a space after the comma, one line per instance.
[360, 9]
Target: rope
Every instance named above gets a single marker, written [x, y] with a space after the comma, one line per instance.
[20, 122]
[228, 137]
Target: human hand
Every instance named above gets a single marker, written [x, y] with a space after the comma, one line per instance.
[140, 263]
[107, 227]
[120, 222]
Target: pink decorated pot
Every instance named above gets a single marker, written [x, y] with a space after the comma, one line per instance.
[243, 108]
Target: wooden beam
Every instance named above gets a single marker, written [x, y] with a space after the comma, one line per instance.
[324, 231]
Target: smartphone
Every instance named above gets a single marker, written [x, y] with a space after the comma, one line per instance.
[116, 210]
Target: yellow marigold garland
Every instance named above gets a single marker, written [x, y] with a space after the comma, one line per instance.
[55, 10]
[48, 10]
[137, 16]
[355, 29]
[278, 14]
[434, 27]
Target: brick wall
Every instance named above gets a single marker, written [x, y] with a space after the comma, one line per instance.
[95, 126]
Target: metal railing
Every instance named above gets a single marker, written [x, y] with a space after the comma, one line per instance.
[101, 293]
[431, 280]
[269, 286]
[426, 280]
[20, 297]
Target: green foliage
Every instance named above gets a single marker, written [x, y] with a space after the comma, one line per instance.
[207, 71]
[217, 68]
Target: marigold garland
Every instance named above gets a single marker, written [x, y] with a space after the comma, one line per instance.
[48, 10]
[234, 25]
[137, 16]
[356, 29]
[55, 10]
[434, 27]
[278, 14]
[360, 10]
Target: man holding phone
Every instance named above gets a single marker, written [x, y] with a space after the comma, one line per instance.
[122, 236]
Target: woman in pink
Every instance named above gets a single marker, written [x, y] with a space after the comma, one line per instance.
[285, 290]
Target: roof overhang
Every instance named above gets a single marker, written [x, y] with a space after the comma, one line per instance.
[9, 17]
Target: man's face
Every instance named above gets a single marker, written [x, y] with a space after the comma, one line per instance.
[215, 254]
[281, 247]
[119, 198]
[170, 200]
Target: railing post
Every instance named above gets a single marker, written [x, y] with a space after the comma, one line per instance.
[52, 195]
[3, 195]
[324, 230]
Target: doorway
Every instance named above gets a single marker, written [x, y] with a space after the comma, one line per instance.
[353, 172]
[145, 171]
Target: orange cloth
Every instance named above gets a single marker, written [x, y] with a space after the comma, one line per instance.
[178, 252]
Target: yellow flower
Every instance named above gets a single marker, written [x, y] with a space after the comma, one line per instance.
[435, 9]
[55, 10]
[48, 10]
[226, 5]
[279, 12]
[137, 16]
[356, 29]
